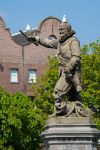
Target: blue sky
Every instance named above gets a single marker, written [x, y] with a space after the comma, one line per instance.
[83, 15]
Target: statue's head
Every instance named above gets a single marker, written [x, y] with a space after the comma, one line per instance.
[65, 30]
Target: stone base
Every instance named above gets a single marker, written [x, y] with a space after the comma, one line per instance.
[73, 133]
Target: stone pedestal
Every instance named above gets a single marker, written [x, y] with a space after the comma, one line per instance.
[72, 133]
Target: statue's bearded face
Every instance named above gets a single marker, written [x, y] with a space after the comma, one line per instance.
[63, 31]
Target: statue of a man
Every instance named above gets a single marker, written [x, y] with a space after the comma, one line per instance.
[69, 55]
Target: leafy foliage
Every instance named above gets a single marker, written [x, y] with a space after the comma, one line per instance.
[20, 122]
[91, 78]
[42, 91]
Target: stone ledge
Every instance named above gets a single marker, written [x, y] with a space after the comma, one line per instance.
[69, 120]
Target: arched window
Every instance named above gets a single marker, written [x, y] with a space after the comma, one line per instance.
[51, 37]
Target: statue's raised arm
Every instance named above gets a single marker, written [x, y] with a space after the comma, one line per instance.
[44, 42]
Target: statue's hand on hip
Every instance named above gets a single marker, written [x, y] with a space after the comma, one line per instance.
[68, 73]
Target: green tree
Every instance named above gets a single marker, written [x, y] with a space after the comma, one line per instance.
[91, 78]
[42, 91]
[20, 122]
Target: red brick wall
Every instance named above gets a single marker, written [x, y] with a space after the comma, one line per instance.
[23, 58]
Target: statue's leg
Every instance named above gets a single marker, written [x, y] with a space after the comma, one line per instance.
[77, 81]
[61, 88]
[73, 95]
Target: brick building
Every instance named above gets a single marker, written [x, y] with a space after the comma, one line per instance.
[20, 61]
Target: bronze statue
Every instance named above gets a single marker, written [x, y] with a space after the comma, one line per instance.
[69, 82]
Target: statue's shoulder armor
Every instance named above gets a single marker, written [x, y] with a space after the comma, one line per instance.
[70, 40]
[75, 39]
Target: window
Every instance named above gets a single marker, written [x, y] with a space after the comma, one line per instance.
[13, 75]
[31, 75]
[52, 37]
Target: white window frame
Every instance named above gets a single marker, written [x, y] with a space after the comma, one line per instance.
[31, 75]
[13, 75]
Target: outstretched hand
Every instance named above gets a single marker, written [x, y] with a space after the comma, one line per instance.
[31, 38]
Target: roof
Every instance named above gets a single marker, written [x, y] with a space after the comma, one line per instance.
[21, 39]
